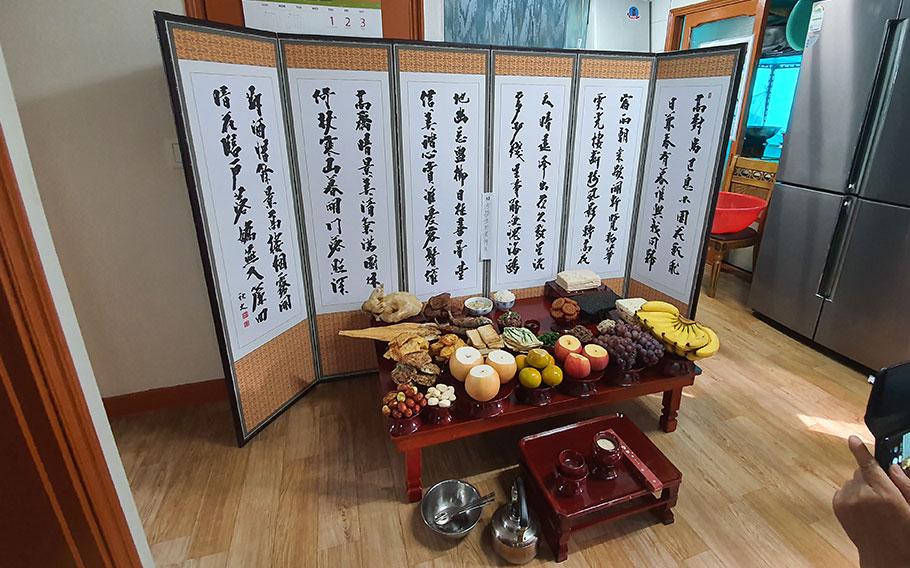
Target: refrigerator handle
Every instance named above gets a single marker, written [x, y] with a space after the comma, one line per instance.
[889, 64]
[827, 285]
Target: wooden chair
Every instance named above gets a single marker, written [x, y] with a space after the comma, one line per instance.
[752, 177]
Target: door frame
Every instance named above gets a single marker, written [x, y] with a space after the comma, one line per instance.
[679, 36]
[39, 376]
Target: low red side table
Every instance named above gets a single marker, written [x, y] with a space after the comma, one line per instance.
[643, 472]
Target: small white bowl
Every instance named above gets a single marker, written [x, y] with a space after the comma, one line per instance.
[505, 304]
[478, 306]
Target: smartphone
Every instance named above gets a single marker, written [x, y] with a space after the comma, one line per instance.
[893, 450]
[888, 415]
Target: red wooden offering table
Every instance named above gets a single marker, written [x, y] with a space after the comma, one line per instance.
[652, 381]
[601, 500]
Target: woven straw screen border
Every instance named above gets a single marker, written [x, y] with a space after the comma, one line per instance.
[615, 284]
[604, 68]
[442, 61]
[346, 57]
[219, 48]
[532, 292]
[274, 373]
[342, 355]
[534, 65]
[697, 66]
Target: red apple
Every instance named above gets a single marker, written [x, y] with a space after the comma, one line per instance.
[576, 366]
[564, 345]
[597, 355]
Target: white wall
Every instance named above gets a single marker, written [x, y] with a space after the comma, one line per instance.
[433, 20]
[660, 13]
[92, 96]
[12, 133]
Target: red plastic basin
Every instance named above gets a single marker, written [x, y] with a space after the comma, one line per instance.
[736, 211]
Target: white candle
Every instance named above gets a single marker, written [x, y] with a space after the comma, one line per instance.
[606, 444]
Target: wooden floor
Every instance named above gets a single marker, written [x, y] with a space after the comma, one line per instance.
[761, 444]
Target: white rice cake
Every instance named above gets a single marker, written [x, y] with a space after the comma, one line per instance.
[576, 280]
[627, 307]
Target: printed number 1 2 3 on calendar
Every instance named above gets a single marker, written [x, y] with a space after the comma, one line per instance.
[359, 18]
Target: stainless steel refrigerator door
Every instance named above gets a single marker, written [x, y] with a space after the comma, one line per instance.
[794, 248]
[884, 172]
[835, 87]
[867, 317]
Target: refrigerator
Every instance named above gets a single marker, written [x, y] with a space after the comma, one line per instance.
[834, 262]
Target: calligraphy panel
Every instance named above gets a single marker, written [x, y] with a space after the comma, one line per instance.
[530, 117]
[443, 127]
[341, 106]
[340, 101]
[231, 114]
[611, 105]
[689, 116]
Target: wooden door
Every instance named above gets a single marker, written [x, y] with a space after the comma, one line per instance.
[686, 20]
[58, 505]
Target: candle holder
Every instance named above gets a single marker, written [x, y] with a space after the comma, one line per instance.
[607, 454]
[571, 473]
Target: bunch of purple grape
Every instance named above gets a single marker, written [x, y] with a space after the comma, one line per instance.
[630, 346]
[622, 350]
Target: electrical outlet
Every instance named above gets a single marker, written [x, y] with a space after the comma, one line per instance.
[176, 157]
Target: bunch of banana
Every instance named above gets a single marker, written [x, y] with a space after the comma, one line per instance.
[685, 337]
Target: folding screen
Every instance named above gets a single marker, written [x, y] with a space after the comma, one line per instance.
[683, 163]
[340, 101]
[531, 112]
[319, 168]
[228, 102]
[443, 149]
[611, 117]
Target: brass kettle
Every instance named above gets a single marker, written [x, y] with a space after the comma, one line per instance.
[515, 530]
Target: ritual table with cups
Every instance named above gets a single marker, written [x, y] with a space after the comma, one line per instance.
[467, 417]
[595, 471]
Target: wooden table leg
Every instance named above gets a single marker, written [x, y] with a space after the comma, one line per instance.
[672, 398]
[665, 513]
[412, 473]
[562, 545]
[715, 261]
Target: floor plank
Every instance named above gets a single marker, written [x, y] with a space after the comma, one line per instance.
[761, 445]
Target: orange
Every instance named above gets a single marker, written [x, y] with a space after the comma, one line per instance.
[538, 358]
[529, 377]
[551, 375]
[520, 361]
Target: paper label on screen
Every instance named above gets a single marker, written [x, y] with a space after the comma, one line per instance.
[342, 121]
[234, 115]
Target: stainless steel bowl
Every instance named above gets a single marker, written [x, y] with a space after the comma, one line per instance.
[450, 493]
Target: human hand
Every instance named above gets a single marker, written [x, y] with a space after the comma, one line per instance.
[874, 509]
